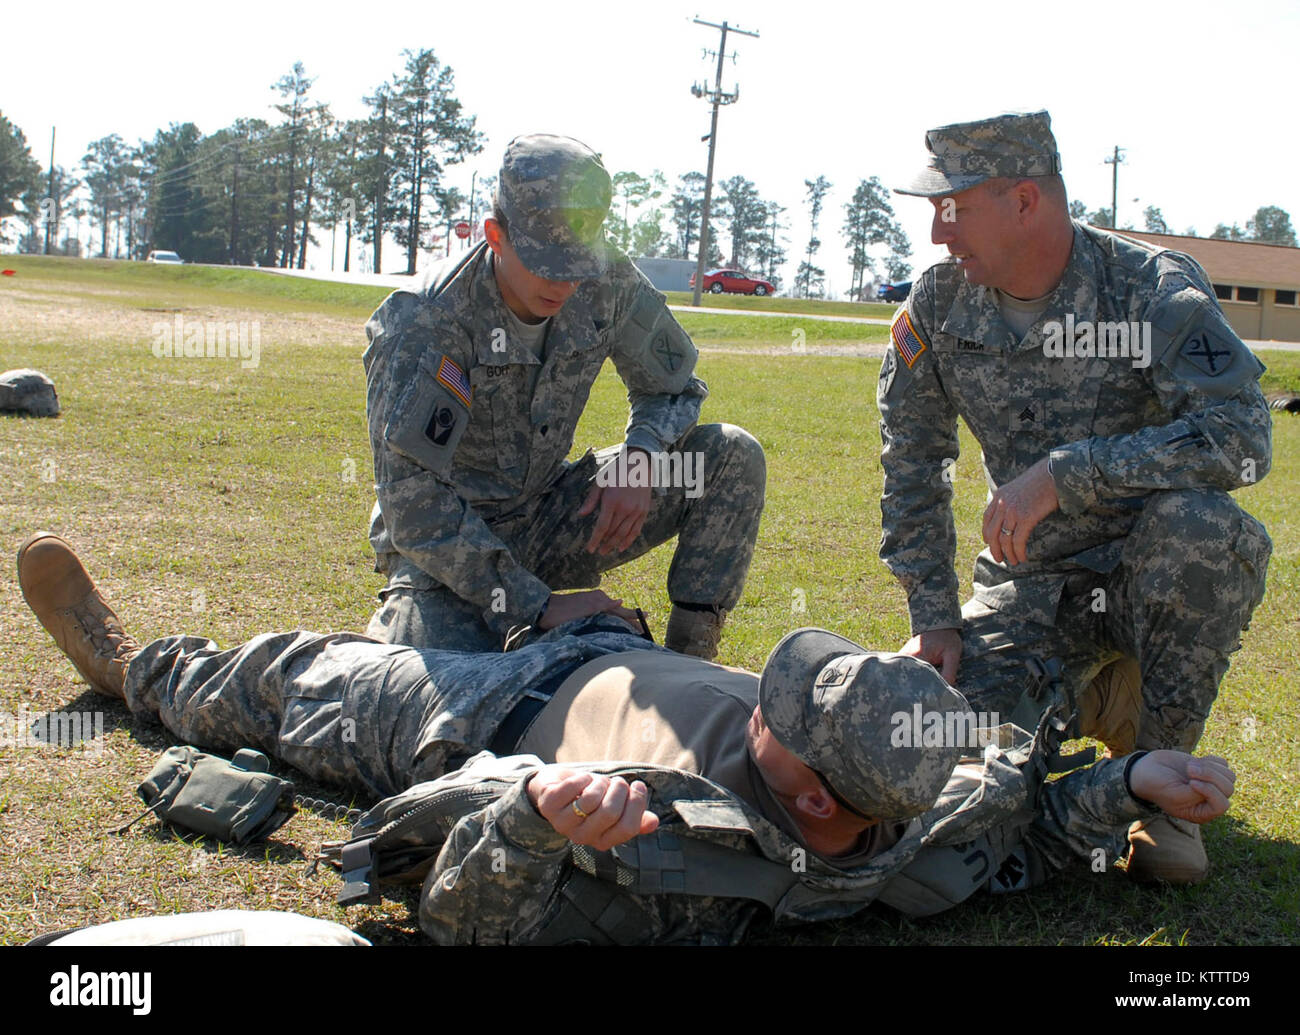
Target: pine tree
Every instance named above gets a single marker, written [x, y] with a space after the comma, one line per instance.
[429, 132]
[811, 278]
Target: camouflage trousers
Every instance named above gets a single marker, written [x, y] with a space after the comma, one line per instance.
[716, 527]
[343, 709]
[1190, 576]
[349, 711]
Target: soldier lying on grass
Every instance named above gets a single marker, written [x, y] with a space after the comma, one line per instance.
[639, 795]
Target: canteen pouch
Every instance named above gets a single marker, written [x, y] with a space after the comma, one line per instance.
[236, 800]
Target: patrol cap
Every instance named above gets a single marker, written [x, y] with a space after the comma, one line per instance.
[965, 154]
[836, 707]
[28, 391]
[555, 193]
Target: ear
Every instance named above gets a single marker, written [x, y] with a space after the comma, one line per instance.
[1028, 198]
[494, 234]
[816, 804]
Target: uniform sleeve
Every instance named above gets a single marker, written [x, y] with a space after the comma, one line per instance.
[1219, 432]
[505, 876]
[495, 876]
[656, 360]
[918, 432]
[1083, 811]
[418, 408]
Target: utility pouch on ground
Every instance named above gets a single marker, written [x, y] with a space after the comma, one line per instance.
[236, 800]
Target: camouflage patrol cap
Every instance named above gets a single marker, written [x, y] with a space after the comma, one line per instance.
[28, 391]
[965, 154]
[837, 708]
[555, 193]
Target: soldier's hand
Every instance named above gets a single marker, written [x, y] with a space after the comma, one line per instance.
[623, 511]
[940, 647]
[1195, 789]
[1015, 509]
[591, 809]
[565, 607]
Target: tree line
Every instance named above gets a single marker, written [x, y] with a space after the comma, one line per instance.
[258, 193]
[1269, 225]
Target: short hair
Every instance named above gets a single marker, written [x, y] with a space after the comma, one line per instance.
[1050, 187]
[499, 215]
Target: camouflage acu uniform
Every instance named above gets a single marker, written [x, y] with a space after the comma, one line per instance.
[476, 520]
[379, 718]
[1148, 556]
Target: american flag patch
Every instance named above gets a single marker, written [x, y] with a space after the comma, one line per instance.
[453, 378]
[909, 343]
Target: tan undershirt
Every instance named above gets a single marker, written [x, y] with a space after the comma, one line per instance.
[531, 335]
[1021, 313]
[669, 710]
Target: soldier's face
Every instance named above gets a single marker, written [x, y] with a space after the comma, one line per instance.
[783, 772]
[531, 298]
[979, 228]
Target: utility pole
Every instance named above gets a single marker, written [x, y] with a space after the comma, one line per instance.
[718, 98]
[49, 211]
[1114, 186]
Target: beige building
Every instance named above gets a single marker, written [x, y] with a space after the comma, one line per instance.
[1258, 285]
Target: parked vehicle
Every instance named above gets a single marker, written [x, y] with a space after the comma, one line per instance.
[168, 257]
[894, 292]
[737, 282]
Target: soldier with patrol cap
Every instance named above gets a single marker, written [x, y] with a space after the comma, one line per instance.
[632, 794]
[1116, 411]
[476, 381]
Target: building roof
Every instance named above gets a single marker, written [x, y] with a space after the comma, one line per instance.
[1234, 262]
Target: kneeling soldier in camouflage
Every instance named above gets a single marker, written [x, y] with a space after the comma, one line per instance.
[476, 382]
[731, 790]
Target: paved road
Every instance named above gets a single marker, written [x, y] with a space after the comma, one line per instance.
[789, 316]
[399, 280]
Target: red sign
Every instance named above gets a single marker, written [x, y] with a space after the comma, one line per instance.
[462, 230]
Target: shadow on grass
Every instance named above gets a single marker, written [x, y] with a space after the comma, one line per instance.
[1252, 896]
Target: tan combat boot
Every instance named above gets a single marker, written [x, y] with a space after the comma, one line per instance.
[696, 633]
[1161, 848]
[58, 589]
[1110, 709]
[1165, 848]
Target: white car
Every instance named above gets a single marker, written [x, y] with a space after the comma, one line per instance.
[171, 257]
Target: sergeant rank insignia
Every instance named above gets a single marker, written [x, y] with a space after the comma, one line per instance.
[907, 341]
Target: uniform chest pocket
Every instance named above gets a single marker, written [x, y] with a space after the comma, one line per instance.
[502, 396]
[974, 376]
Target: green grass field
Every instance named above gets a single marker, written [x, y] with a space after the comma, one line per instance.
[213, 499]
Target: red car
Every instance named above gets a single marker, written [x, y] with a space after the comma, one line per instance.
[734, 281]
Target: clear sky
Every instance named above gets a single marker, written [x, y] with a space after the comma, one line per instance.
[1201, 95]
